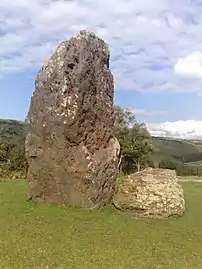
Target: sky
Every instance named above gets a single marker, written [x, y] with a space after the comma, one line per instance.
[156, 55]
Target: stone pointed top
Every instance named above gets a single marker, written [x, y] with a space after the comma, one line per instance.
[85, 34]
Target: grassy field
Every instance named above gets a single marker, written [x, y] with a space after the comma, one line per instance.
[190, 178]
[34, 235]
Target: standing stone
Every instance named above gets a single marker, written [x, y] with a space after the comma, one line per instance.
[70, 147]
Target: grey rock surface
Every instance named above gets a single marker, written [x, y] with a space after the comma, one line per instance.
[151, 193]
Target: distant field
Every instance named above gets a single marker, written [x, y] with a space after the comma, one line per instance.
[34, 235]
[191, 178]
[199, 163]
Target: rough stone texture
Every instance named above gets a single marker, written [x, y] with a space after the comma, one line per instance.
[70, 148]
[152, 193]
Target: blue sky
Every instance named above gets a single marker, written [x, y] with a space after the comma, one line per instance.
[156, 55]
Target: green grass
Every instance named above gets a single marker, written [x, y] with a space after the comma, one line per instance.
[34, 235]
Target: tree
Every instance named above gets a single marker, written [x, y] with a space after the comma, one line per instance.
[3, 152]
[123, 117]
[12, 149]
[135, 141]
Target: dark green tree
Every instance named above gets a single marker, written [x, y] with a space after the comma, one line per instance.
[135, 141]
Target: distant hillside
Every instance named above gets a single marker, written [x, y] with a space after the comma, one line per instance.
[12, 152]
[186, 151]
[11, 130]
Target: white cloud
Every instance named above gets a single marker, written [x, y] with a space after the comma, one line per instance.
[146, 40]
[188, 129]
[139, 112]
[190, 66]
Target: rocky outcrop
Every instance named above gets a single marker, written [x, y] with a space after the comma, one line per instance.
[70, 148]
[152, 193]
